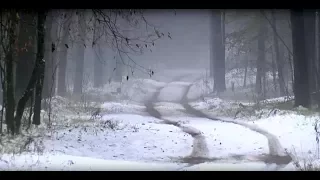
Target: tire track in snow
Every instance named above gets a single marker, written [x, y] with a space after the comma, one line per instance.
[277, 154]
[200, 151]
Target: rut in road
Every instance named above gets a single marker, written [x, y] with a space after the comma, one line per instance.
[200, 151]
[276, 154]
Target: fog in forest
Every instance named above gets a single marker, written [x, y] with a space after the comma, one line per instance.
[197, 89]
[187, 47]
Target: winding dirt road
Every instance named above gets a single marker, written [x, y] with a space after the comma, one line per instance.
[200, 152]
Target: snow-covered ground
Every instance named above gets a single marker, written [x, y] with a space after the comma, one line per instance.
[51, 162]
[295, 132]
[121, 137]
[125, 137]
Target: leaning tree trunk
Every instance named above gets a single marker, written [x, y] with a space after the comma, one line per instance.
[301, 76]
[98, 67]
[78, 83]
[261, 60]
[36, 73]
[278, 60]
[218, 52]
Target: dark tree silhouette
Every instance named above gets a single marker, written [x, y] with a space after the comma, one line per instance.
[301, 73]
[36, 77]
[218, 52]
[49, 23]
[25, 53]
[309, 26]
[10, 68]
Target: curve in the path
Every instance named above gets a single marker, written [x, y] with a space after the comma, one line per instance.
[200, 151]
[276, 154]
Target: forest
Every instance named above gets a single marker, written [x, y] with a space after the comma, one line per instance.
[106, 89]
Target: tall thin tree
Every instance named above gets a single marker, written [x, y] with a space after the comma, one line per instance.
[260, 77]
[63, 53]
[218, 52]
[301, 73]
[98, 66]
[79, 75]
[278, 60]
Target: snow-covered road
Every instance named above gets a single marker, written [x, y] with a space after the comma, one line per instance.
[200, 152]
[157, 132]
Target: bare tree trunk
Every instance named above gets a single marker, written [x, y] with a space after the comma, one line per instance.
[274, 74]
[286, 68]
[317, 54]
[245, 72]
[301, 80]
[78, 83]
[218, 52]
[317, 48]
[223, 28]
[39, 81]
[119, 66]
[3, 85]
[211, 55]
[37, 70]
[30, 111]
[51, 52]
[291, 67]
[223, 53]
[264, 83]
[10, 105]
[261, 60]
[309, 25]
[25, 56]
[278, 60]
[10, 69]
[3, 17]
[63, 47]
[53, 61]
[98, 67]
[48, 55]
[38, 96]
